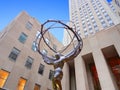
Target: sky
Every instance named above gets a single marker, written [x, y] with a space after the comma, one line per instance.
[42, 10]
[109, 0]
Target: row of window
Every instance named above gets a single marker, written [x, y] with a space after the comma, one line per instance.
[14, 54]
[117, 3]
[112, 7]
[21, 83]
[47, 41]
[98, 13]
[86, 14]
[107, 17]
[23, 37]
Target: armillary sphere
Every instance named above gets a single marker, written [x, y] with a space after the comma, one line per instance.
[59, 58]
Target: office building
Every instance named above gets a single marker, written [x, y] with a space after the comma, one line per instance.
[97, 67]
[21, 67]
[91, 16]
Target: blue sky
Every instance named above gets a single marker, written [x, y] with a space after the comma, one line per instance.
[42, 10]
[109, 0]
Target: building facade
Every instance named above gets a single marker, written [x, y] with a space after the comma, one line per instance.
[91, 16]
[21, 67]
[97, 67]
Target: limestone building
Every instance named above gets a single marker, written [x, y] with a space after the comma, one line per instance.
[21, 67]
[91, 16]
[96, 68]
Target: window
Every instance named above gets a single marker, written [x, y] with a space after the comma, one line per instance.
[34, 46]
[41, 69]
[100, 17]
[44, 52]
[87, 20]
[47, 41]
[103, 10]
[14, 54]
[21, 84]
[89, 26]
[22, 37]
[48, 89]
[29, 62]
[51, 74]
[104, 24]
[84, 26]
[95, 26]
[37, 87]
[83, 22]
[93, 21]
[78, 32]
[105, 14]
[38, 35]
[3, 77]
[108, 18]
[54, 47]
[91, 17]
[29, 25]
[90, 30]
[111, 22]
[86, 34]
[96, 29]
[85, 29]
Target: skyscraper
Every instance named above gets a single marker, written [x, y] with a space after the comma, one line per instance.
[114, 5]
[91, 16]
[97, 67]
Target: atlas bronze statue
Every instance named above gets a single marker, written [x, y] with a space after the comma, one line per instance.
[59, 59]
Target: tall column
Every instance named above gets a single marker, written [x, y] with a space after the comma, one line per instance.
[81, 75]
[117, 46]
[103, 71]
[65, 81]
[116, 39]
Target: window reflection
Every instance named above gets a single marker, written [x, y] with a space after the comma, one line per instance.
[21, 84]
[3, 77]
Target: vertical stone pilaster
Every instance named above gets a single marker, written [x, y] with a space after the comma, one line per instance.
[81, 75]
[65, 81]
[117, 47]
[103, 71]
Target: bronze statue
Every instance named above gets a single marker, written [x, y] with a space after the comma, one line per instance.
[59, 59]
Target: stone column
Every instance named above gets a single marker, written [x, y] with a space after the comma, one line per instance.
[117, 46]
[65, 81]
[116, 39]
[103, 71]
[81, 75]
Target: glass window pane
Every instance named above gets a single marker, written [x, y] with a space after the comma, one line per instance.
[47, 41]
[41, 69]
[29, 25]
[22, 37]
[37, 87]
[51, 74]
[21, 84]
[44, 52]
[3, 77]
[54, 47]
[38, 35]
[29, 62]
[14, 54]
